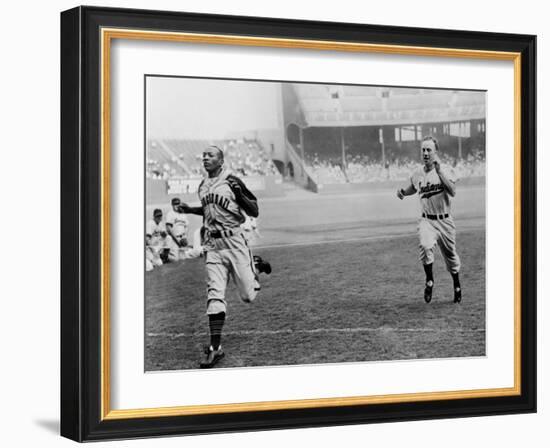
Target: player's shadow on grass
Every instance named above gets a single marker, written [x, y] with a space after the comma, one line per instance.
[49, 425]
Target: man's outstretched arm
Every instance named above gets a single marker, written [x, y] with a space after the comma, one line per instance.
[184, 208]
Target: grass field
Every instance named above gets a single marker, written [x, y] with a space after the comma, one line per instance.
[356, 298]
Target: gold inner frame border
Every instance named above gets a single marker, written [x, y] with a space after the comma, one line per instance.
[107, 35]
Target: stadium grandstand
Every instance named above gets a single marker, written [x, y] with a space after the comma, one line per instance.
[179, 162]
[363, 134]
[173, 158]
[331, 137]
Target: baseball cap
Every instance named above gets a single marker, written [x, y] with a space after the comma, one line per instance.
[157, 212]
[176, 201]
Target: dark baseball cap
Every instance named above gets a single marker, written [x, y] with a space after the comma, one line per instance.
[157, 212]
[176, 201]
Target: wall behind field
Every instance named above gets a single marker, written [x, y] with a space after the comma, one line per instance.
[29, 329]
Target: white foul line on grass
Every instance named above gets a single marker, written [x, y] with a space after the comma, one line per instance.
[352, 240]
[349, 240]
[319, 330]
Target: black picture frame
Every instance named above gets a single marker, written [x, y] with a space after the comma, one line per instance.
[81, 224]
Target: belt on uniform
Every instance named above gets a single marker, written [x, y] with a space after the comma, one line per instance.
[224, 233]
[425, 215]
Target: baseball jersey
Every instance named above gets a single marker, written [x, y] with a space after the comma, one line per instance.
[154, 230]
[179, 223]
[220, 207]
[434, 199]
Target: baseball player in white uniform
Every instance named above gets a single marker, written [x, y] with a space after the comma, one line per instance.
[155, 241]
[225, 201]
[250, 230]
[177, 225]
[435, 185]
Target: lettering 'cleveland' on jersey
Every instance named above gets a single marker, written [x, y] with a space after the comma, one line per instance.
[221, 210]
[434, 199]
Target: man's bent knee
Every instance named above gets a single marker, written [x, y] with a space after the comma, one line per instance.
[215, 306]
[250, 295]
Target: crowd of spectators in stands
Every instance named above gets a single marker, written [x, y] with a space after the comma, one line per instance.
[363, 169]
[158, 170]
[243, 157]
[248, 158]
[471, 166]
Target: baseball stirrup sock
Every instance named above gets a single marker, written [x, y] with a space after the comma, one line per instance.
[215, 322]
[428, 269]
[456, 280]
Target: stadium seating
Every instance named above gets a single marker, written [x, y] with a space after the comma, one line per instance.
[419, 102]
[183, 158]
[377, 130]
[358, 169]
[365, 172]
[327, 173]
[160, 164]
[361, 104]
[359, 91]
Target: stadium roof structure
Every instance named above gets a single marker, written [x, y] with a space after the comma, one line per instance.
[340, 105]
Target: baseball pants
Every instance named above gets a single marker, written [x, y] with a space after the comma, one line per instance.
[173, 255]
[229, 258]
[443, 233]
[152, 255]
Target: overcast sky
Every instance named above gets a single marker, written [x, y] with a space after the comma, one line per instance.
[209, 109]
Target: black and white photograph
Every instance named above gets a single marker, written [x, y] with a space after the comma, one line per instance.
[292, 223]
[276, 224]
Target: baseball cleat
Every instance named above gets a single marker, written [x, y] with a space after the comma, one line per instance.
[257, 286]
[428, 289]
[212, 357]
[458, 294]
[261, 265]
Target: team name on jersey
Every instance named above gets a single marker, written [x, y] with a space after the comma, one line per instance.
[430, 190]
[214, 198]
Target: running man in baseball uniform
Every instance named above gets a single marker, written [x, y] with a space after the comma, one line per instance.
[224, 202]
[177, 226]
[435, 185]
